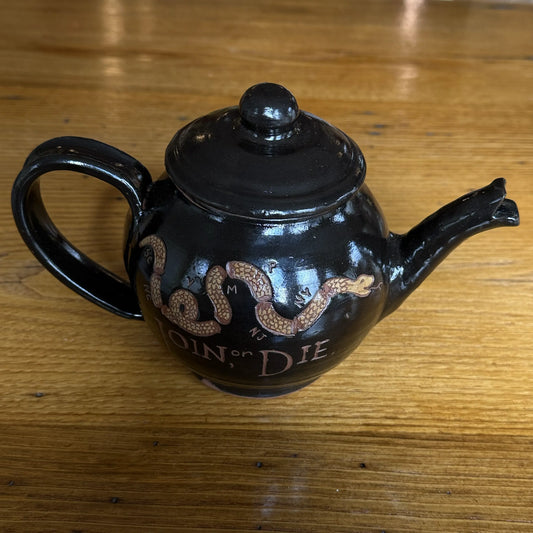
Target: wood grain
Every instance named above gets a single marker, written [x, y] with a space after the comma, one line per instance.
[427, 427]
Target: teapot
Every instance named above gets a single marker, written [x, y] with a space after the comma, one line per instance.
[259, 257]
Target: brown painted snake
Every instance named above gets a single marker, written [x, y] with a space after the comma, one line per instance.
[182, 308]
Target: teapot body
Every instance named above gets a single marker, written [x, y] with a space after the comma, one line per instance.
[259, 308]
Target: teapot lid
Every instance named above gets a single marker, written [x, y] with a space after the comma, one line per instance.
[265, 159]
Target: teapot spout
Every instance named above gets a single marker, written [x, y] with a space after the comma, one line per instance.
[416, 253]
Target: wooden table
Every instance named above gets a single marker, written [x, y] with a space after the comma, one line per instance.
[427, 427]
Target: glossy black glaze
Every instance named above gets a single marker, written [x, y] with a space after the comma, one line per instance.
[297, 257]
[56, 253]
[260, 257]
[225, 162]
[414, 255]
[268, 109]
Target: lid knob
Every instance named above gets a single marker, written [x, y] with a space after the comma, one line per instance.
[268, 107]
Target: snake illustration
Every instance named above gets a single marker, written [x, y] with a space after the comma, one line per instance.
[182, 308]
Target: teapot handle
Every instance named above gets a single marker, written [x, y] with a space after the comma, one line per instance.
[52, 249]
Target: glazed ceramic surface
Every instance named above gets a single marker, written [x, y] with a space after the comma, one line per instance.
[260, 257]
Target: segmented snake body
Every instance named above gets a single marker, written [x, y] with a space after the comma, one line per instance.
[213, 284]
[182, 308]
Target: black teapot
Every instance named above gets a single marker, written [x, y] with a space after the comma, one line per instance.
[259, 257]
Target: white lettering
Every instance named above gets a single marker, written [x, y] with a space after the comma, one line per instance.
[272, 362]
[269, 356]
[231, 288]
[319, 349]
[305, 350]
[257, 334]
